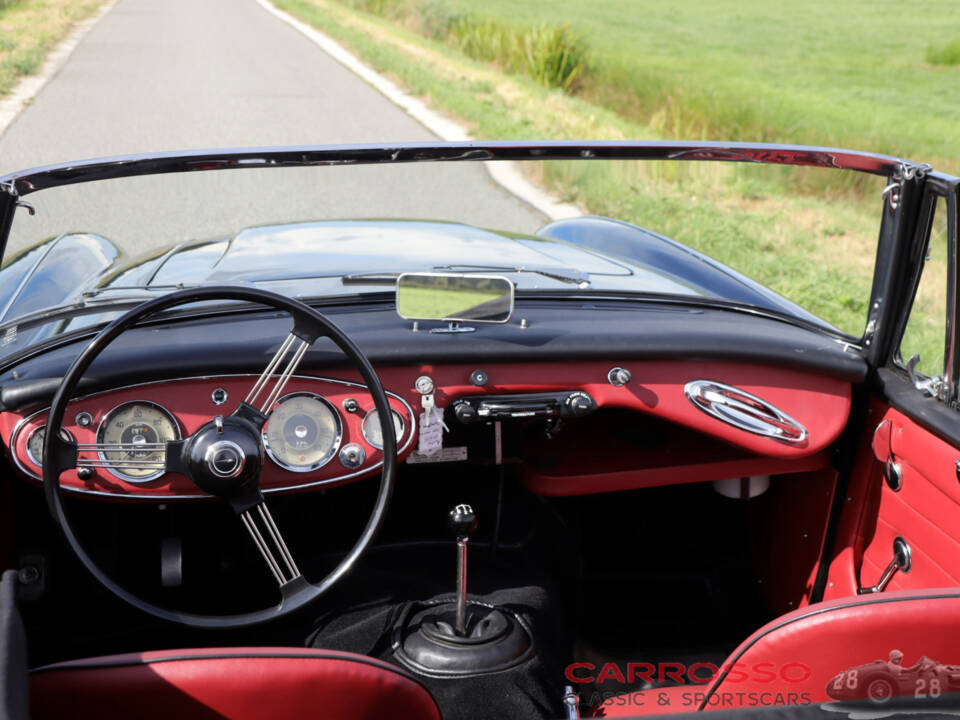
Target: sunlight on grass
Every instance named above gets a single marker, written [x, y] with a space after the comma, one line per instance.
[29, 30]
[807, 233]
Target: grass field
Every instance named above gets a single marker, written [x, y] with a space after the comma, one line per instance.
[30, 28]
[811, 239]
[852, 74]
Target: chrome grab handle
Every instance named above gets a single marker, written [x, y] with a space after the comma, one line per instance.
[901, 561]
[744, 411]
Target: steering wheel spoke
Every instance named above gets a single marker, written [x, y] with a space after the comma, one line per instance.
[273, 548]
[155, 456]
[262, 386]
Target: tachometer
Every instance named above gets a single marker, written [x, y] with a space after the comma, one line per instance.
[374, 433]
[302, 433]
[35, 443]
[135, 424]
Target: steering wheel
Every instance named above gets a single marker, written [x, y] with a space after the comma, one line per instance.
[224, 457]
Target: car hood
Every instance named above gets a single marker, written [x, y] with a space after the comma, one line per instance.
[328, 258]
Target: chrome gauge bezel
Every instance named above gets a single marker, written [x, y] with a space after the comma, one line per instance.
[38, 428]
[338, 438]
[400, 434]
[107, 416]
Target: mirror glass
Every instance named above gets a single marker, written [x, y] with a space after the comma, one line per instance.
[454, 297]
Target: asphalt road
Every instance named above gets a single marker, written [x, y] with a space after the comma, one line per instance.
[158, 75]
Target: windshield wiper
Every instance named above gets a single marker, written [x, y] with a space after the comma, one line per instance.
[575, 277]
[93, 292]
[87, 306]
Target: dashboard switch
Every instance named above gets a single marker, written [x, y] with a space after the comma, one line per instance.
[580, 404]
[352, 456]
[465, 413]
[478, 378]
[619, 376]
[424, 385]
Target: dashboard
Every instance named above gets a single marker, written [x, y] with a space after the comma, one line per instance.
[321, 431]
[324, 430]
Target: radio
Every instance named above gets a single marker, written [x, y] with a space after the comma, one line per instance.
[565, 404]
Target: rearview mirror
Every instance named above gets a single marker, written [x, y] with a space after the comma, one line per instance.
[453, 297]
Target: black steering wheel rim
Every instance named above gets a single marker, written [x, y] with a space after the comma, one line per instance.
[295, 594]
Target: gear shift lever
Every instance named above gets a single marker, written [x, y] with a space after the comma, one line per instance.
[444, 638]
[462, 521]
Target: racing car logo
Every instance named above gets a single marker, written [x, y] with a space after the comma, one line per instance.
[882, 680]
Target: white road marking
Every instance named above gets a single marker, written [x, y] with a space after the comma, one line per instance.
[30, 85]
[504, 173]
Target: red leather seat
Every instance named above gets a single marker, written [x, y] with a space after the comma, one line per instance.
[274, 683]
[793, 659]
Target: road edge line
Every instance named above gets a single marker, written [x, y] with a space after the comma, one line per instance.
[505, 174]
[30, 85]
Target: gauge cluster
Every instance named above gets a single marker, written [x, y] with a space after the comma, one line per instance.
[131, 435]
[121, 434]
[303, 432]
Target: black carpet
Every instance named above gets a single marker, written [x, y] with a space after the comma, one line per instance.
[373, 601]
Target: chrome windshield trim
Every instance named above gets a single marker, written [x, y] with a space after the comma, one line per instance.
[48, 176]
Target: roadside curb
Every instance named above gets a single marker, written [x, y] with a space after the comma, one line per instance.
[505, 174]
[28, 87]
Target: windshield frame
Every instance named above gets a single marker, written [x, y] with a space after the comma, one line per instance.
[17, 185]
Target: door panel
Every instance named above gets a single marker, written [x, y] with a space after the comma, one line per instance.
[925, 511]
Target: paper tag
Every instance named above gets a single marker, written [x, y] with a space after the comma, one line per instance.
[431, 431]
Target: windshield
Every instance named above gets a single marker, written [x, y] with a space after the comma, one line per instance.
[798, 241]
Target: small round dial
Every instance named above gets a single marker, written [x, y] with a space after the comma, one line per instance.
[374, 433]
[131, 425]
[35, 443]
[302, 433]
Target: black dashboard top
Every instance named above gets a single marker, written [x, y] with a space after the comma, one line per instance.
[540, 331]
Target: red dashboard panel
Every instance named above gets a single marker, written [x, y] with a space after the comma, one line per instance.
[716, 449]
[191, 404]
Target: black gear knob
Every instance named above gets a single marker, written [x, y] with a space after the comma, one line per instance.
[462, 521]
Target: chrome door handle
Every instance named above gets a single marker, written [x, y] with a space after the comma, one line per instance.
[901, 561]
[744, 411]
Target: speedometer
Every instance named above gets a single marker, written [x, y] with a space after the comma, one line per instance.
[132, 429]
[302, 433]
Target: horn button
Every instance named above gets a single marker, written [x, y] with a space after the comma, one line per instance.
[225, 456]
